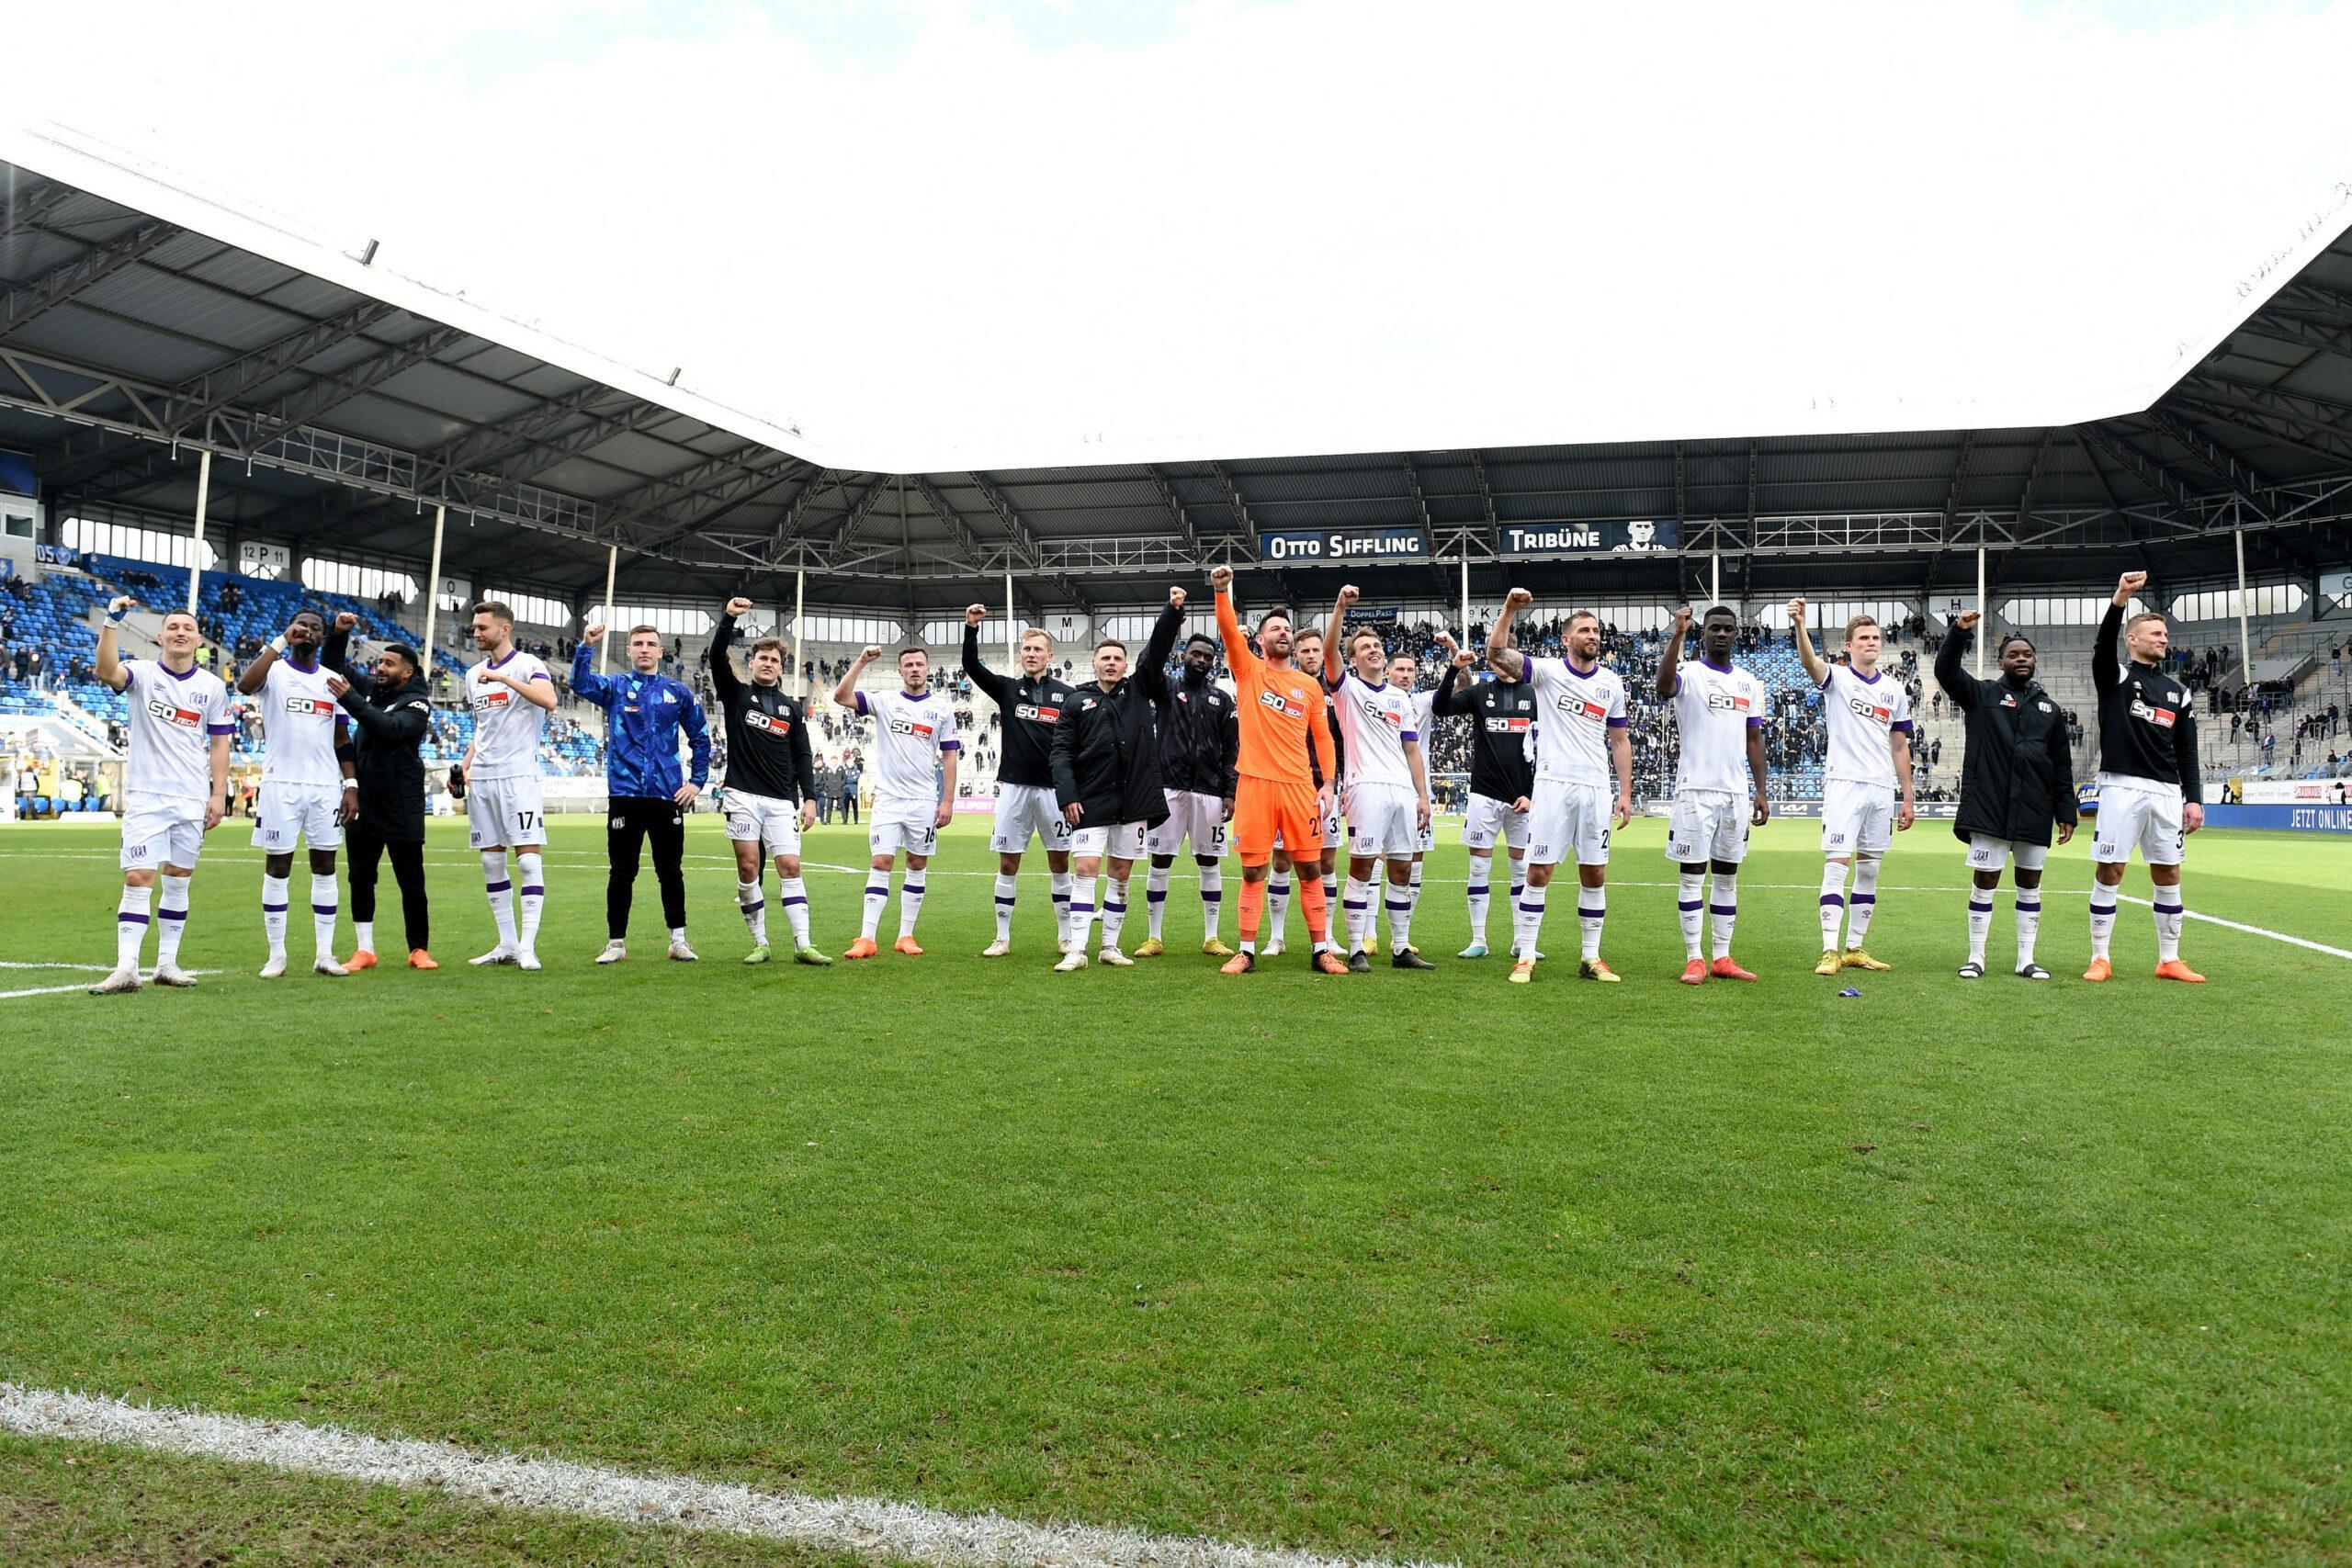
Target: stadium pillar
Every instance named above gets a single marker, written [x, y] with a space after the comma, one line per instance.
[799, 636]
[1985, 610]
[1465, 589]
[1715, 577]
[203, 499]
[1012, 631]
[612, 566]
[433, 591]
[2246, 642]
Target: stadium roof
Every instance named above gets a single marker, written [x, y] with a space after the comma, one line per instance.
[143, 322]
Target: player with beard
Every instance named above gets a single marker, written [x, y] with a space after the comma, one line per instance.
[1282, 791]
[770, 783]
[2017, 785]
[308, 788]
[174, 787]
[392, 712]
[509, 694]
[1387, 788]
[1502, 776]
[2151, 792]
[1031, 704]
[1405, 675]
[915, 753]
[1720, 712]
[1307, 651]
[1200, 738]
[1581, 722]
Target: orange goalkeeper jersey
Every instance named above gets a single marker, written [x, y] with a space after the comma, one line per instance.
[1276, 708]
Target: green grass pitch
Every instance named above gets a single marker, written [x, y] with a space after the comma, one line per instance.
[1406, 1265]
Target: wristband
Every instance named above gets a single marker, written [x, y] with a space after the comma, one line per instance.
[116, 616]
[278, 645]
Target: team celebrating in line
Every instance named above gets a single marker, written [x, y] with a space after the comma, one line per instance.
[1320, 737]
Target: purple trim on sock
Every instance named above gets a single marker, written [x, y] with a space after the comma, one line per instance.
[129, 918]
[1211, 896]
[1829, 899]
[755, 909]
[1086, 910]
[1689, 905]
[873, 891]
[487, 887]
[1357, 904]
[534, 892]
[2026, 908]
[1530, 909]
[1278, 889]
[1393, 905]
[2164, 908]
[1985, 909]
[171, 914]
[1004, 903]
[790, 899]
[1723, 908]
[1114, 909]
[325, 908]
[1865, 897]
[1155, 894]
[273, 908]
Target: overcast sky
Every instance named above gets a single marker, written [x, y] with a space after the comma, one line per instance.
[939, 234]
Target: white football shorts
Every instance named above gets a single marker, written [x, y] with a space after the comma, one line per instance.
[161, 830]
[762, 820]
[1568, 821]
[1856, 818]
[1987, 852]
[2131, 813]
[1490, 819]
[1381, 820]
[285, 813]
[1195, 817]
[1024, 812]
[1123, 840]
[1707, 824]
[505, 811]
[901, 834]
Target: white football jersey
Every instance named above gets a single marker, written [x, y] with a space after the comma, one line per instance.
[1714, 709]
[298, 716]
[910, 735]
[508, 726]
[172, 720]
[1574, 711]
[1375, 724]
[1862, 716]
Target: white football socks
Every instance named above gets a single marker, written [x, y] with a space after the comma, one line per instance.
[275, 891]
[1864, 904]
[1527, 920]
[910, 888]
[1008, 893]
[171, 919]
[324, 907]
[1081, 915]
[1691, 901]
[1155, 898]
[878, 896]
[1980, 921]
[2168, 921]
[1833, 903]
[2102, 916]
[1212, 895]
[1592, 911]
[2029, 923]
[130, 925]
[754, 908]
[1359, 912]
[792, 891]
[1115, 911]
[532, 894]
[1723, 907]
[502, 897]
[1482, 866]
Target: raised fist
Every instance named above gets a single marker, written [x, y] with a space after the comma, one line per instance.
[1796, 611]
[1445, 641]
[1221, 579]
[1517, 599]
[1464, 659]
[346, 622]
[593, 631]
[739, 607]
[1176, 596]
[119, 604]
[1681, 618]
[1349, 595]
[1966, 620]
[975, 613]
[869, 653]
[2129, 583]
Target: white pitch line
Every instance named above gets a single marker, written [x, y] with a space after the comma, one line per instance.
[867, 1526]
[77, 985]
[2250, 930]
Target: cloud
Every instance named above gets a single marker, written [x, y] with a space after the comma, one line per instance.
[930, 238]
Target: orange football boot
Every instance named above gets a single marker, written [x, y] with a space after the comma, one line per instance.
[906, 944]
[2100, 969]
[363, 959]
[861, 948]
[1724, 969]
[418, 959]
[2174, 969]
[1695, 972]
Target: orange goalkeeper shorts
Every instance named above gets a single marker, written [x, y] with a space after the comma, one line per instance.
[1263, 808]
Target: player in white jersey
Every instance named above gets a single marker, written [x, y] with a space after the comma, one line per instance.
[175, 785]
[1720, 712]
[914, 744]
[1866, 789]
[1582, 718]
[1405, 675]
[308, 788]
[1307, 652]
[1387, 788]
[511, 695]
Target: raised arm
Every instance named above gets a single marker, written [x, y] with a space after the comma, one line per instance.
[1669, 676]
[724, 681]
[110, 672]
[1237, 656]
[845, 690]
[1335, 661]
[586, 684]
[335, 652]
[1500, 651]
[1444, 700]
[402, 724]
[1162, 643]
[986, 678]
[256, 671]
[1815, 667]
[1957, 684]
[2106, 673]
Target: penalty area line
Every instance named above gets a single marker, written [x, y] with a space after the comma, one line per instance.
[2250, 930]
[867, 1526]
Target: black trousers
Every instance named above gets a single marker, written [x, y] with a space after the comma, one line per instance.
[849, 805]
[627, 825]
[408, 868]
